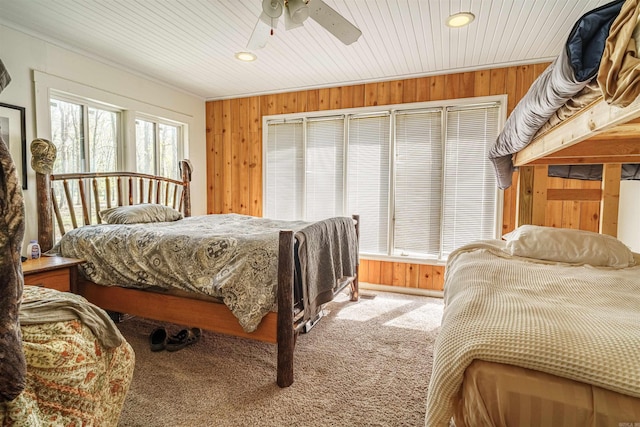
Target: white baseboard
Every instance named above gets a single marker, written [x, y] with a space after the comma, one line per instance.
[401, 290]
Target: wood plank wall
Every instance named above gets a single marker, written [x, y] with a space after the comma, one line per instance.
[234, 150]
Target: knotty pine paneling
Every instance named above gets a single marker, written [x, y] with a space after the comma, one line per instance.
[234, 150]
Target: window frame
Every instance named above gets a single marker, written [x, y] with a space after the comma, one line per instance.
[392, 109]
[46, 84]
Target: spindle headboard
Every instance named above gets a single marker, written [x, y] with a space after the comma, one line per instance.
[76, 199]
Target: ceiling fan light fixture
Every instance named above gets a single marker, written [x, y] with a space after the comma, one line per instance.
[298, 10]
[245, 56]
[460, 19]
[272, 8]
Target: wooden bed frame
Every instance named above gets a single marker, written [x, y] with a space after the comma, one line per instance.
[280, 328]
[598, 134]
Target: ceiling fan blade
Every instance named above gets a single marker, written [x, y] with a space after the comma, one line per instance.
[289, 23]
[333, 22]
[261, 32]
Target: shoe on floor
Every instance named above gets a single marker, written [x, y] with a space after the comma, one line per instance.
[158, 339]
[183, 338]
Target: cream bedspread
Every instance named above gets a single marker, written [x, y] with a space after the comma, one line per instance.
[577, 322]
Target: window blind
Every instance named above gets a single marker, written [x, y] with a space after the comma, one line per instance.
[419, 178]
[470, 190]
[284, 171]
[418, 183]
[324, 189]
[368, 179]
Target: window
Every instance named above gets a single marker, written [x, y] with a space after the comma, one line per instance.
[89, 137]
[86, 136]
[418, 175]
[285, 176]
[418, 182]
[368, 179]
[158, 148]
[324, 178]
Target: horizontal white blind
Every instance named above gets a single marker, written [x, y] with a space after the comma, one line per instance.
[368, 180]
[418, 183]
[324, 168]
[284, 171]
[469, 210]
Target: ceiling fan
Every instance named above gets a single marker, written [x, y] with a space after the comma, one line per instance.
[295, 13]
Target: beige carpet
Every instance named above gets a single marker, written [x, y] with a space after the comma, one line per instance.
[365, 364]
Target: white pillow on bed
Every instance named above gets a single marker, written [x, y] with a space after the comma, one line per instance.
[136, 214]
[570, 246]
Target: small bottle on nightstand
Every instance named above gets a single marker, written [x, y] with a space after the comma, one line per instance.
[33, 250]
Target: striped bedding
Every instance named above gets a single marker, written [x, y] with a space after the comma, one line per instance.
[495, 394]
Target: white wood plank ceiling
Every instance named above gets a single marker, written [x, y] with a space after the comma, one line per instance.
[190, 44]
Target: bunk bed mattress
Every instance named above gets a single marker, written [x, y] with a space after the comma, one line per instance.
[229, 256]
[576, 322]
[78, 371]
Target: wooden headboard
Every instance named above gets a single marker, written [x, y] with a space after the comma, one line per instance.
[77, 198]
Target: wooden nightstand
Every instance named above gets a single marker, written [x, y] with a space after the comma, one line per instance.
[52, 272]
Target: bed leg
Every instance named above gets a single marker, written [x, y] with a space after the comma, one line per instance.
[286, 335]
[355, 291]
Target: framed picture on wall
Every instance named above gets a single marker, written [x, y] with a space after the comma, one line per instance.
[13, 133]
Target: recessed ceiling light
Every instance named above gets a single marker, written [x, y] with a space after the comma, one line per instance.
[460, 19]
[245, 56]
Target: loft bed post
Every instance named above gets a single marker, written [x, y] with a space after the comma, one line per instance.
[610, 198]
[185, 171]
[532, 195]
[43, 154]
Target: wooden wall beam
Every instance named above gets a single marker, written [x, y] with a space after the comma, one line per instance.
[574, 194]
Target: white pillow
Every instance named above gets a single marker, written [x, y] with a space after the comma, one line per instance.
[570, 246]
[137, 214]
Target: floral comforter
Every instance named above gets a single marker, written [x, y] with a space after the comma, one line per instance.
[230, 256]
[73, 378]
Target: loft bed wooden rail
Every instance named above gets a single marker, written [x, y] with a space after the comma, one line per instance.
[599, 134]
[280, 328]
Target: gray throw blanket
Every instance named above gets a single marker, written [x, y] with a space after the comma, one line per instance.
[328, 252]
[48, 305]
[5, 78]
